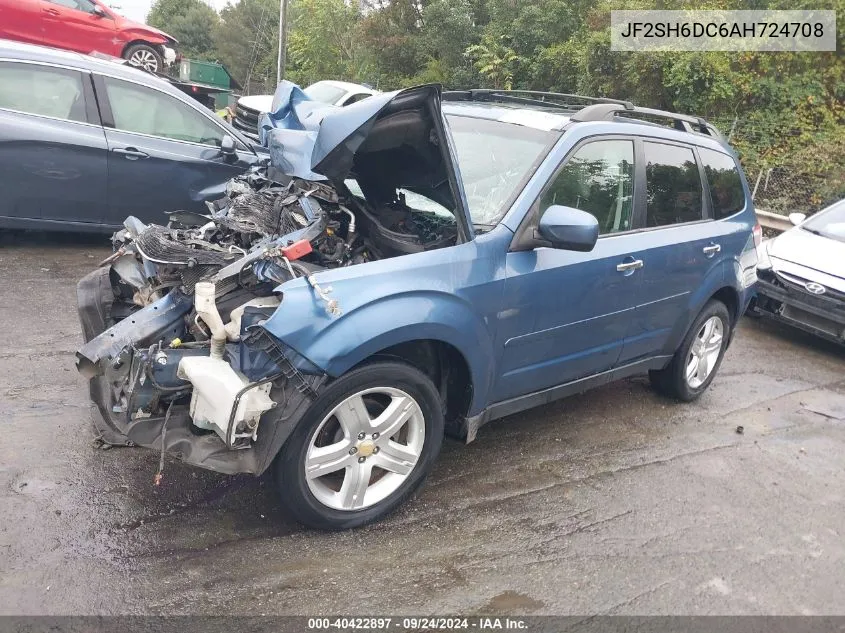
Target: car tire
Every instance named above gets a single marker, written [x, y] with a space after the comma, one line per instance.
[697, 360]
[354, 488]
[144, 56]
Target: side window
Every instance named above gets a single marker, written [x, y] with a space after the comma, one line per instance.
[599, 179]
[726, 192]
[356, 98]
[673, 185]
[147, 111]
[80, 5]
[53, 92]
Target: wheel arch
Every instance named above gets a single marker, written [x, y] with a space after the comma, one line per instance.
[445, 365]
[137, 41]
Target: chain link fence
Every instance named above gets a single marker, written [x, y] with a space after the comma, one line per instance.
[788, 172]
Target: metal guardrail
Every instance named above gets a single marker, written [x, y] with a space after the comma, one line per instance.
[773, 221]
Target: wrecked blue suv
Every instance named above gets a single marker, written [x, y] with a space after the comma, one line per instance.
[415, 264]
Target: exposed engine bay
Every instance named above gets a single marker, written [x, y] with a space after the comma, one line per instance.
[176, 351]
[227, 263]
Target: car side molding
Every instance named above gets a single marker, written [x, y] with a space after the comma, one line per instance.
[545, 396]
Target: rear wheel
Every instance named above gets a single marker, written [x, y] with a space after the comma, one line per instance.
[364, 446]
[144, 56]
[694, 365]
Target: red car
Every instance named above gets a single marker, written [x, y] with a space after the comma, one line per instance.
[86, 26]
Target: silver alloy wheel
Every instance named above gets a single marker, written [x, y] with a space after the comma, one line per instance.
[368, 446]
[145, 59]
[704, 352]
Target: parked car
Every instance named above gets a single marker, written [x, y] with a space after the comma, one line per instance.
[337, 93]
[86, 26]
[333, 321]
[84, 142]
[802, 274]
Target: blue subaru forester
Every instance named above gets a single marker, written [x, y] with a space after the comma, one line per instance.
[471, 254]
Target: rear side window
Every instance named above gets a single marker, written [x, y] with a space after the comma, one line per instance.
[35, 89]
[673, 185]
[599, 179]
[726, 192]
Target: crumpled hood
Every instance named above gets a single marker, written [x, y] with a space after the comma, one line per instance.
[812, 251]
[315, 141]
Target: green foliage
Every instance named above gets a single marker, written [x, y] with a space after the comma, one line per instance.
[192, 22]
[323, 41]
[246, 40]
[495, 60]
[783, 109]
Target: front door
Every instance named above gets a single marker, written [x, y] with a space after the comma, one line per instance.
[163, 154]
[566, 314]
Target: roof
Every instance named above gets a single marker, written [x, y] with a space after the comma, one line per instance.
[553, 111]
[537, 118]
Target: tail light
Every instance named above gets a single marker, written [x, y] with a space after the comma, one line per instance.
[758, 234]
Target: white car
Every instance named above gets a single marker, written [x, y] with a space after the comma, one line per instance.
[801, 274]
[339, 93]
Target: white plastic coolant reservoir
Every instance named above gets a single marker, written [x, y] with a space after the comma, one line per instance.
[216, 385]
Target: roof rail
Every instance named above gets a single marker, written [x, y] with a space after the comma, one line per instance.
[683, 122]
[530, 97]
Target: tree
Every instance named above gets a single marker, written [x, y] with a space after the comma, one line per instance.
[192, 22]
[247, 41]
[495, 60]
[323, 42]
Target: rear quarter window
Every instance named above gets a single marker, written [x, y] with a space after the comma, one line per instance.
[726, 192]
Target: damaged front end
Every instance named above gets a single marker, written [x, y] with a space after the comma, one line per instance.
[176, 350]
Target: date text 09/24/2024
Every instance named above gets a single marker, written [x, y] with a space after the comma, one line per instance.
[481, 623]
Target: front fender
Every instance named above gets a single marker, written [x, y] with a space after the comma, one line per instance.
[343, 342]
[138, 35]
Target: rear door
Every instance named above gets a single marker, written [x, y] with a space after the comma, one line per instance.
[52, 148]
[73, 25]
[21, 20]
[565, 314]
[164, 155]
[678, 246]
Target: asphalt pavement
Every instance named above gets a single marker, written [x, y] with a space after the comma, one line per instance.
[612, 502]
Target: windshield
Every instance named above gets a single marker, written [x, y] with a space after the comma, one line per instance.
[324, 92]
[828, 222]
[494, 158]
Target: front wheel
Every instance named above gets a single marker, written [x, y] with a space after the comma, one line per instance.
[363, 447]
[145, 57]
[696, 361]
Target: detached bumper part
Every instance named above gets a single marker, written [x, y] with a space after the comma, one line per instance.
[821, 316]
[168, 54]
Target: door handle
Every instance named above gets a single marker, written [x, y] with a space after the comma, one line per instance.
[51, 12]
[626, 266]
[711, 250]
[130, 153]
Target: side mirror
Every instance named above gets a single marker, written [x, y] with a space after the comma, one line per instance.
[227, 145]
[569, 229]
[98, 11]
[797, 218]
